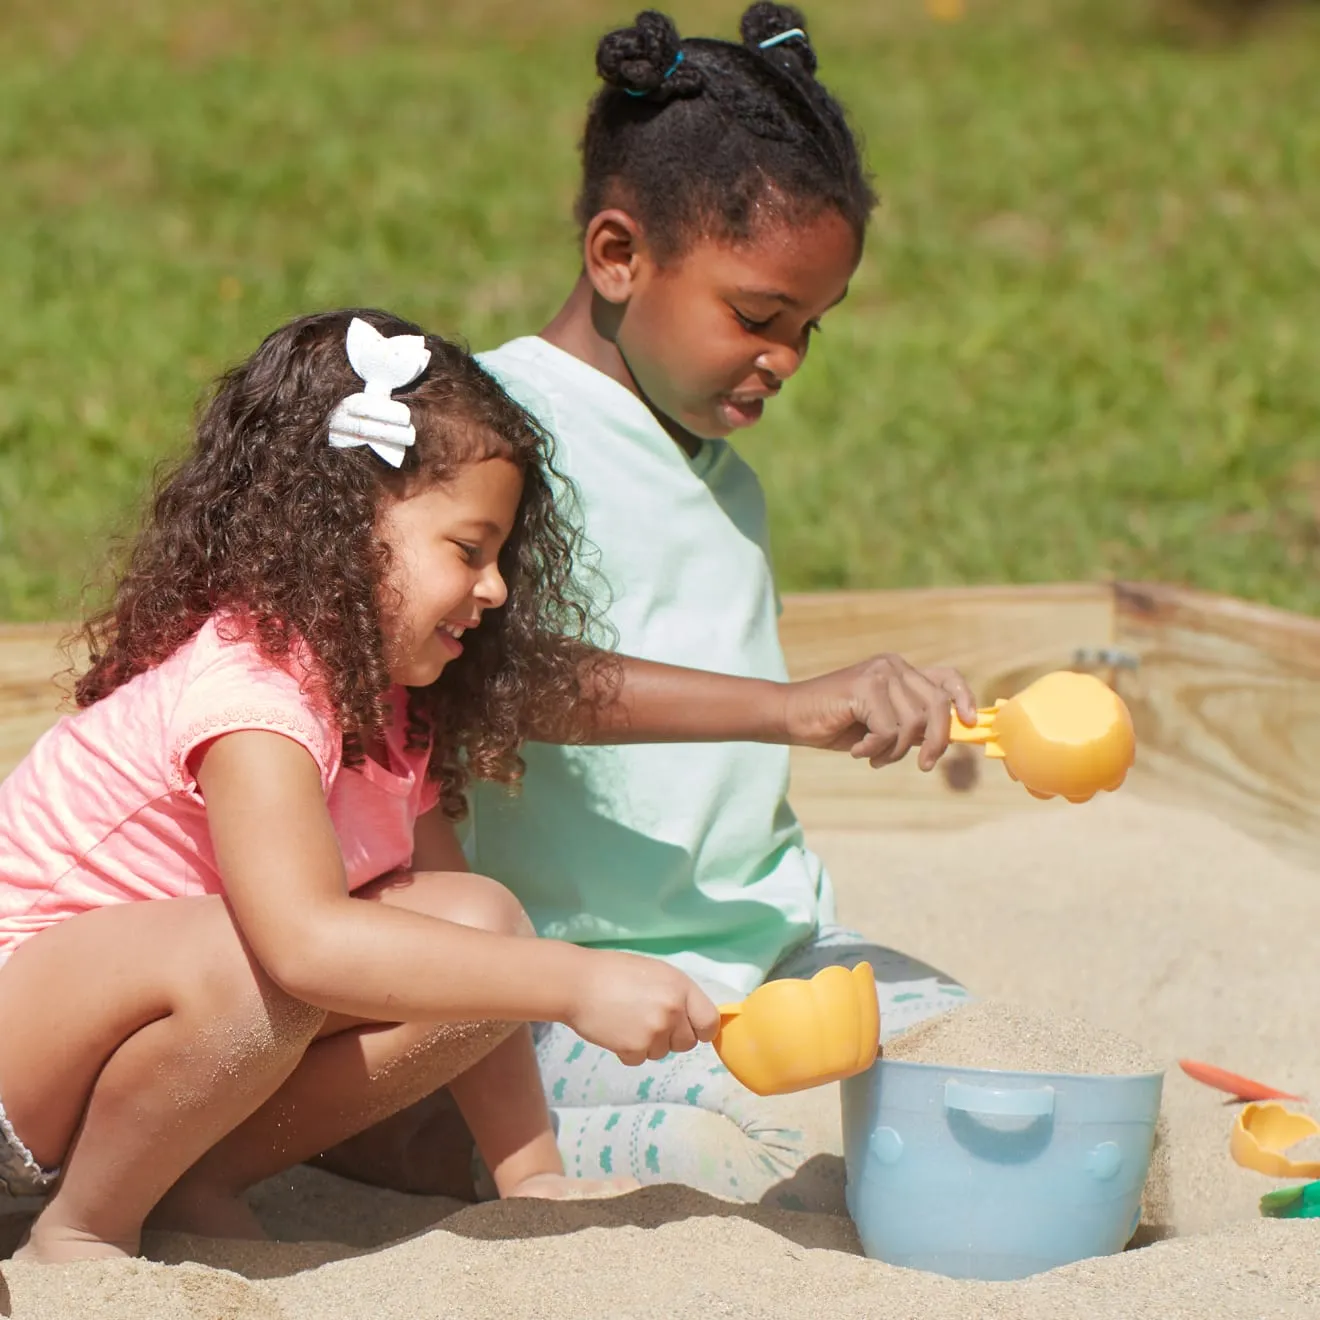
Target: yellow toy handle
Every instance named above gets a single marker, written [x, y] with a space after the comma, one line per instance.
[980, 734]
[1065, 735]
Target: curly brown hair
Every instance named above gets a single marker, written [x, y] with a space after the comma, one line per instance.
[265, 520]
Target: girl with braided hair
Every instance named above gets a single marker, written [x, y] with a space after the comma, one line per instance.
[722, 209]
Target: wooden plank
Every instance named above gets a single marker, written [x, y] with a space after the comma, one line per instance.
[30, 693]
[1226, 703]
[1001, 638]
[34, 686]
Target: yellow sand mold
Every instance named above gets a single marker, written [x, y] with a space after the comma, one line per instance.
[793, 1034]
[1261, 1134]
[1066, 735]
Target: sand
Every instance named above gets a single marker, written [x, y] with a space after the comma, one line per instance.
[1164, 926]
[992, 1033]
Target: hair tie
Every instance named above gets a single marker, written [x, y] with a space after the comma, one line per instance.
[372, 418]
[678, 59]
[781, 38]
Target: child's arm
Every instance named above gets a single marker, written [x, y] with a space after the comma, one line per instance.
[878, 709]
[284, 879]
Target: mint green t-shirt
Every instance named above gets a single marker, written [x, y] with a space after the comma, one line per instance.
[689, 852]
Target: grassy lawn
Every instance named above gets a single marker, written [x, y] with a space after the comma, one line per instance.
[1084, 342]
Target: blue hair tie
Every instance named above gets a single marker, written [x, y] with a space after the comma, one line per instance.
[678, 59]
[781, 38]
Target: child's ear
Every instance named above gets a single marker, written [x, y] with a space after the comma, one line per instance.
[612, 250]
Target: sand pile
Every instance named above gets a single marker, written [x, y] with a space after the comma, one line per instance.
[1166, 927]
[993, 1034]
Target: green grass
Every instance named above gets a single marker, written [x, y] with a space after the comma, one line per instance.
[1084, 341]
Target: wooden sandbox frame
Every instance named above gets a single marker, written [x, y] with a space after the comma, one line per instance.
[1225, 696]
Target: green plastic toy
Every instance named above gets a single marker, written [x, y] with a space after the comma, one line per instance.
[1300, 1202]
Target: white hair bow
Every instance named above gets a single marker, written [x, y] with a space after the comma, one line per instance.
[372, 417]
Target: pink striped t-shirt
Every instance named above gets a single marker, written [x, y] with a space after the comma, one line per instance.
[105, 809]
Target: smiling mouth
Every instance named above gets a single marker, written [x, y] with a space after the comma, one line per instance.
[742, 400]
[740, 410]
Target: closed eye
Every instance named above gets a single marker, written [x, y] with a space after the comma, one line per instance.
[752, 326]
[472, 553]
[759, 327]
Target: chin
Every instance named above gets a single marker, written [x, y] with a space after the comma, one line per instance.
[419, 675]
[704, 425]
[707, 428]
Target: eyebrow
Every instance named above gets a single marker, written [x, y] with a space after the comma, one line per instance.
[484, 525]
[775, 295]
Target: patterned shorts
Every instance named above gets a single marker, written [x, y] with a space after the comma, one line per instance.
[20, 1174]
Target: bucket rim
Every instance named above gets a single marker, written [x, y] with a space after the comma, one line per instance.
[1099, 1079]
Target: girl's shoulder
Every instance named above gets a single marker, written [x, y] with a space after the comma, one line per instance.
[225, 682]
[582, 409]
[551, 383]
[229, 642]
[530, 371]
[138, 744]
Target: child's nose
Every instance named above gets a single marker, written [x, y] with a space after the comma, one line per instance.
[780, 360]
[491, 588]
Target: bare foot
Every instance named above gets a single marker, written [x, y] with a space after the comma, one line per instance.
[206, 1213]
[57, 1244]
[560, 1187]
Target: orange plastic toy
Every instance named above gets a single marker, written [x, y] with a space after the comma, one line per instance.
[1066, 735]
[793, 1034]
[1239, 1087]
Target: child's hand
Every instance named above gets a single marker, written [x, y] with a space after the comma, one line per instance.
[879, 709]
[640, 1008]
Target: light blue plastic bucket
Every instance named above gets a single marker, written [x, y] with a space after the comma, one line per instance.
[995, 1175]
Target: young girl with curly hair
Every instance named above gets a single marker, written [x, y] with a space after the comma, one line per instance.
[352, 596]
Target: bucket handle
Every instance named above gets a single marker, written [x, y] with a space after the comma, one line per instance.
[1005, 1102]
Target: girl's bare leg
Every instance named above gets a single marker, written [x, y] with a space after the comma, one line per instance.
[358, 1073]
[503, 1102]
[132, 1038]
[425, 1149]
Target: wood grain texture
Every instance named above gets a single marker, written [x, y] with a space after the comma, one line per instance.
[30, 694]
[1001, 638]
[1226, 704]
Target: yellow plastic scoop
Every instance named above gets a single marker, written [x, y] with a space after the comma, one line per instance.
[793, 1034]
[1263, 1132]
[1066, 735]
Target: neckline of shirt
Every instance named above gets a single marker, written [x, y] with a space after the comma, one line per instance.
[631, 409]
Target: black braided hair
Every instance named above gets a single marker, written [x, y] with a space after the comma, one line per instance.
[701, 137]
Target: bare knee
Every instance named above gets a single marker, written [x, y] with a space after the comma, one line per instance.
[171, 982]
[467, 899]
[226, 986]
[486, 904]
